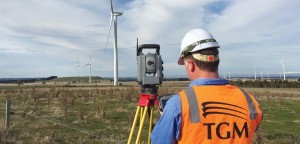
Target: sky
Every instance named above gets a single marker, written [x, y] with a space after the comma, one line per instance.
[49, 37]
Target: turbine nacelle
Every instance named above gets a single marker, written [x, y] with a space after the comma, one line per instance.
[90, 63]
[116, 13]
[282, 61]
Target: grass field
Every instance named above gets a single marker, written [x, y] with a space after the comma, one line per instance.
[104, 114]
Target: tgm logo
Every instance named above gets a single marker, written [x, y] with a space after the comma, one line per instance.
[223, 108]
[225, 130]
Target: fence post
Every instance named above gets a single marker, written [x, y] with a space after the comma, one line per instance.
[7, 117]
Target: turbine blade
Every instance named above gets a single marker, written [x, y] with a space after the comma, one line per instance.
[111, 19]
[111, 6]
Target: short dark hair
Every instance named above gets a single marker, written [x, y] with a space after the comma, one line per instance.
[207, 66]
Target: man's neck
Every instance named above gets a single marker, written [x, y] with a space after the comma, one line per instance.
[204, 74]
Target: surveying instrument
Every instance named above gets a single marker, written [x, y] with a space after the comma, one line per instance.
[149, 75]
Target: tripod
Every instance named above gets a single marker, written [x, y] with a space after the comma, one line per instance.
[148, 98]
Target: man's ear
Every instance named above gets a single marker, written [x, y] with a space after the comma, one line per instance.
[191, 65]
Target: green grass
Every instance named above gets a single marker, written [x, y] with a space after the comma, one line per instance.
[71, 116]
[281, 120]
[105, 114]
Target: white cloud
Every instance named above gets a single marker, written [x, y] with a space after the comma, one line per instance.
[55, 33]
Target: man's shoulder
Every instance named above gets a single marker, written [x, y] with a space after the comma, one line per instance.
[173, 105]
[174, 100]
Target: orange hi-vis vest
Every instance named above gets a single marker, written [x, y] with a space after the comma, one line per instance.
[218, 114]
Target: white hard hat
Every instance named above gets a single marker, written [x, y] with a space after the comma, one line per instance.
[194, 40]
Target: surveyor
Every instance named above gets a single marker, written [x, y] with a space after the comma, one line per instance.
[209, 110]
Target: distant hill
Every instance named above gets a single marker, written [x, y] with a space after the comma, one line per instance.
[25, 80]
[50, 79]
[76, 79]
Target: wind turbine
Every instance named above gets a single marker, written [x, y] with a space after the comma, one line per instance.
[279, 75]
[90, 64]
[113, 17]
[254, 72]
[283, 66]
[77, 66]
[224, 75]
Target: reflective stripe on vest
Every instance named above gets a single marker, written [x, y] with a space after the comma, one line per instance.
[251, 106]
[193, 104]
[194, 109]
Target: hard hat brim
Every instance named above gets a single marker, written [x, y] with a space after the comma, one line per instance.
[180, 61]
[199, 47]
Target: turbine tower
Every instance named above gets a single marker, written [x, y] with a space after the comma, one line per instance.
[90, 64]
[254, 72]
[113, 17]
[283, 66]
[77, 66]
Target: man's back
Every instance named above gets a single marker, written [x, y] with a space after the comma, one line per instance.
[218, 114]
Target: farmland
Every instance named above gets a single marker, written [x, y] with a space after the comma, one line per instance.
[103, 114]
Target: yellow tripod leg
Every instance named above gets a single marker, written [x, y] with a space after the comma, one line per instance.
[134, 124]
[150, 124]
[141, 117]
[141, 125]
[141, 113]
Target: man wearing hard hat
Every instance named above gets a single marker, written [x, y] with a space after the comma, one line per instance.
[210, 110]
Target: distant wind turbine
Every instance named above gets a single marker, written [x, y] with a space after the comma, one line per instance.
[254, 72]
[90, 64]
[114, 16]
[77, 66]
[279, 75]
[283, 66]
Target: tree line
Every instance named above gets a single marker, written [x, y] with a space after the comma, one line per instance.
[276, 83]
